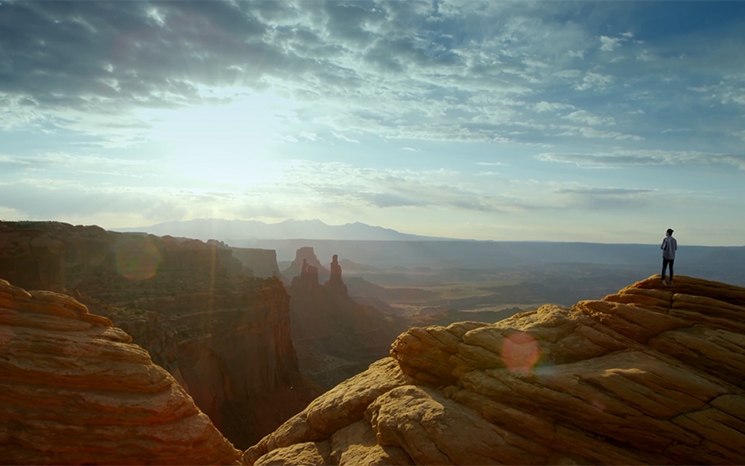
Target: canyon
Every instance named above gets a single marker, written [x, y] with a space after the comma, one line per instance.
[335, 336]
[75, 390]
[136, 349]
[224, 335]
[652, 374]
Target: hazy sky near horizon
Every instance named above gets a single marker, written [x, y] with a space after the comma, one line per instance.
[568, 121]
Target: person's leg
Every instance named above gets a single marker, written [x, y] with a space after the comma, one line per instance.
[664, 266]
[671, 270]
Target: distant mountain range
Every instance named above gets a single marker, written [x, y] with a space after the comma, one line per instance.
[243, 232]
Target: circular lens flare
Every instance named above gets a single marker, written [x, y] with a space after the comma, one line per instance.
[520, 352]
[137, 259]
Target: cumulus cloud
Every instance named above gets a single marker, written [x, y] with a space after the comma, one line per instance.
[609, 44]
[593, 80]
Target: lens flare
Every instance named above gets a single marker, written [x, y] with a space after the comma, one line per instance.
[598, 405]
[520, 352]
[137, 259]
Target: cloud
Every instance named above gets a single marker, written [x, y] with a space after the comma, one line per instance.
[623, 158]
[544, 106]
[726, 92]
[343, 184]
[589, 118]
[594, 191]
[344, 138]
[31, 197]
[604, 199]
[593, 80]
[445, 71]
[593, 133]
[56, 162]
[609, 44]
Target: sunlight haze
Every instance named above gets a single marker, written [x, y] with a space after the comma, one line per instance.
[550, 121]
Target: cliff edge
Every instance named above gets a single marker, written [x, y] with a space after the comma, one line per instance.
[651, 375]
[223, 335]
[75, 390]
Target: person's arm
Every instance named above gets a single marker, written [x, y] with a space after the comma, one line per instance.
[662, 246]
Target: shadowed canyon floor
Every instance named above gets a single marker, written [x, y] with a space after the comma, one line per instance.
[650, 375]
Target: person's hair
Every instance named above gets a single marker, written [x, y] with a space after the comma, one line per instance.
[670, 230]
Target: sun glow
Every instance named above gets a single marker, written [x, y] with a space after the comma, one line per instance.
[226, 142]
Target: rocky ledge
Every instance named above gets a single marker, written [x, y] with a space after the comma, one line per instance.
[75, 390]
[650, 375]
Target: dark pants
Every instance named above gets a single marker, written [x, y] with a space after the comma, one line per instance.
[665, 263]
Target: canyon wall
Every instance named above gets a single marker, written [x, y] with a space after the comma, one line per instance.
[262, 262]
[75, 390]
[335, 336]
[223, 335]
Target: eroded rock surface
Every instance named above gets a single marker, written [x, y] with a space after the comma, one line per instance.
[75, 390]
[223, 335]
[651, 375]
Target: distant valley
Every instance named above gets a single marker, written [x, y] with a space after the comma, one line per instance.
[390, 258]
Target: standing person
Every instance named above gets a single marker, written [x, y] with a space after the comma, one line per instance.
[669, 246]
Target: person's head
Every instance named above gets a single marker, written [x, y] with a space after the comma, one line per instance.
[669, 232]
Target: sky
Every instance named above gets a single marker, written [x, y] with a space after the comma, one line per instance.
[551, 121]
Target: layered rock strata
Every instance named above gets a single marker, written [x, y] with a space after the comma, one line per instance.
[651, 375]
[75, 390]
[224, 335]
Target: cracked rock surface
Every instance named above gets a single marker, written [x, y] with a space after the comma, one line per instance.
[651, 375]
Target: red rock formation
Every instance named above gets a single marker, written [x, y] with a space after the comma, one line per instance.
[262, 262]
[336, 337]
[223, 335]
[305, 255]
[75, 390]
[308, 278]
[651, 375]
[335, 281]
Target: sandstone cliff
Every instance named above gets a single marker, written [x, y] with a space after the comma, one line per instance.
[335, 336]
[308, 256]
[75, 390]
[262, 262]
[651, 375]
[225, 336]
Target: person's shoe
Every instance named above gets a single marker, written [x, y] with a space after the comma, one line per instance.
[670, 283]
[663, 282]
